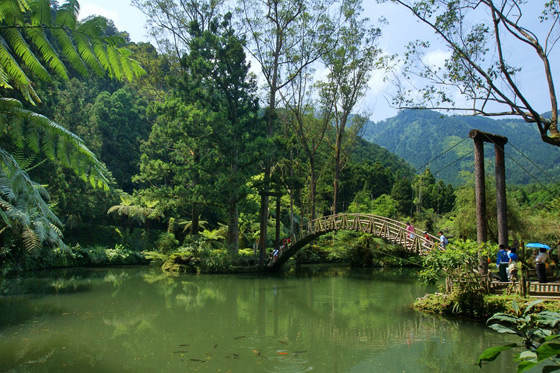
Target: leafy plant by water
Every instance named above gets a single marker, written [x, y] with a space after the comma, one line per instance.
[539, 335]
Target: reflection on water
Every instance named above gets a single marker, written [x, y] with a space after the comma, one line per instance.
[323, 319]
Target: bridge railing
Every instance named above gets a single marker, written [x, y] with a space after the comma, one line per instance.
[392, 230]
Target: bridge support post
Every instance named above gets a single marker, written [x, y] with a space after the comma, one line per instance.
[479, 138]
[480, 191]
[501, 201]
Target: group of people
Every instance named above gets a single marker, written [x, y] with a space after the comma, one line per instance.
[443, 241]
[276, 252]
[507, 264]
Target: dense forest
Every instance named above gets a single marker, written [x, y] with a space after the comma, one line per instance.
[192, 154]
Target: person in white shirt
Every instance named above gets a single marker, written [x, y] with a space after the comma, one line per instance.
[540, 260]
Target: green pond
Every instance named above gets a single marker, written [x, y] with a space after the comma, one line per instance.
[323, 319]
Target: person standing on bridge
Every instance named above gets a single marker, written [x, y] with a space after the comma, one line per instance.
[443, 241]
[410, 228]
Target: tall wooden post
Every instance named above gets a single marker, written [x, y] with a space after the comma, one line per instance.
[501, 202]
[480, 191]
[480, 138]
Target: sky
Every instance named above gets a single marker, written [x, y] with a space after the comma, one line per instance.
[401, 29]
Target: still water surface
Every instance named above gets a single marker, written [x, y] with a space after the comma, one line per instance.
[321, 319]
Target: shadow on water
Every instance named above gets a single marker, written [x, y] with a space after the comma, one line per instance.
[20, 296]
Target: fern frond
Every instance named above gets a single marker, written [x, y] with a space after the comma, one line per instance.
[85, 50]
[33, 140]
[31, 240]
[40, 13]
[103, 58]
[70, 52]
[56, 230]
[93, 27]
[11, 12]
[14, 71]
[4, 79]
[22, 50]
[67, 14]
[40, 133]
[22, 160]
[115, 61]
[16, 132]
[48, 53]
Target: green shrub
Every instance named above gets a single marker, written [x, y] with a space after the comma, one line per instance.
[166, 242]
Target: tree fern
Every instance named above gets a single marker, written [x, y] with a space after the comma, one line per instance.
[38, 132]
[36, 38]
[81, 44]
[24, 208]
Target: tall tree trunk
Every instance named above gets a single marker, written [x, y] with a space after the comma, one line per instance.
[194, 212]
[263, 212]
[337, 166]
[277, 235]
[233, 227]
[194, 219]
[313, 188]
[291, 194]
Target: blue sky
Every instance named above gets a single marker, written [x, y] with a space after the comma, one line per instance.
[401, 29]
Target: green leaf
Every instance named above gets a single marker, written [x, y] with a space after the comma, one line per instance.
[504, 317]
[531, 305]
[548, 350]
[527, 356]
[502, 329]
[490, 354]
[515, 307]
[525, 365]
[550, 368]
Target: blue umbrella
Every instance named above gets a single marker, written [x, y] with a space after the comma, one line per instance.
[538, 245]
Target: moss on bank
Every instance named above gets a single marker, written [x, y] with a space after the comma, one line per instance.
[455, 304]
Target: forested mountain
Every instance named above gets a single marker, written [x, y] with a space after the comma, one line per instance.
[424, 137]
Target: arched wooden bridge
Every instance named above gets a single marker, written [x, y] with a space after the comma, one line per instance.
[392, 230]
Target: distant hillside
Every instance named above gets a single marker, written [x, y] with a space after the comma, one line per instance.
[367, 151]
[419, 136]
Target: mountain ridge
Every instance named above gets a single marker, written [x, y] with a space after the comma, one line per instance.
[426, 138]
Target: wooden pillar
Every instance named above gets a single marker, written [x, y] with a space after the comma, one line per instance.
[480, 138]
[480, 192]
[501, 202]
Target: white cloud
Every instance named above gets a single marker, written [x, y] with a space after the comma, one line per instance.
[436, 58]
[88, 9]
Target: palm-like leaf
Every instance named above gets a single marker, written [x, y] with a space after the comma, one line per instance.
[40, 133]
[24, 208]
[81, 45]
[28, 34]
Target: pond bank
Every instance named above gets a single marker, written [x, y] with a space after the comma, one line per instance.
[477, 307]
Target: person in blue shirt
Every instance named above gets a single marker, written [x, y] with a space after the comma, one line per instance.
[502, 263]
[512, 268]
